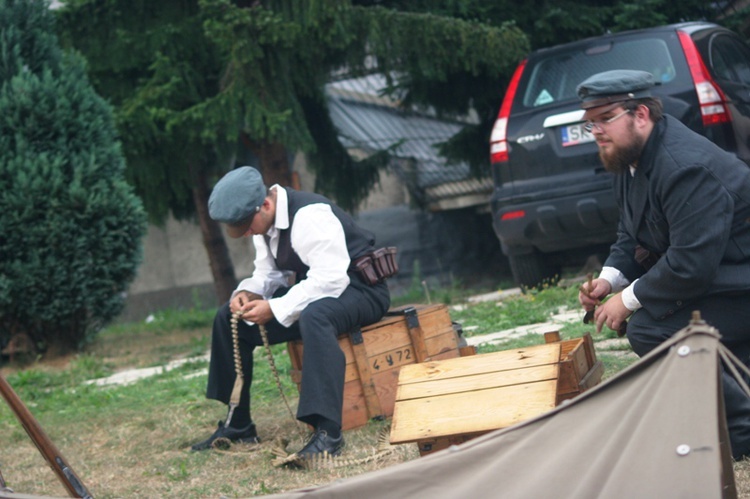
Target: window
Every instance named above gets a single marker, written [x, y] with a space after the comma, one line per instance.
[730, 60]
[555, 78]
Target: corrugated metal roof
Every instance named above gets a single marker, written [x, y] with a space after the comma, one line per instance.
[369, 121]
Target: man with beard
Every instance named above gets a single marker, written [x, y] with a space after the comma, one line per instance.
[684, 233]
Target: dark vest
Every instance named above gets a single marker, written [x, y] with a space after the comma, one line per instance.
[358, 240]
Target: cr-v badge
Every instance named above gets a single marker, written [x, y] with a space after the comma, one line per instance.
[530, 138]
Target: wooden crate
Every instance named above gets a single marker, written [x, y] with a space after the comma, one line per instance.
[579, 368]
[376, 353]
[448, 402]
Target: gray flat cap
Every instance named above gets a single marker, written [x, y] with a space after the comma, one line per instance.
[236, 199]
[614, 86]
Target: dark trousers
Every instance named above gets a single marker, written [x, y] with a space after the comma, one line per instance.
[731, 316]
[323, 362]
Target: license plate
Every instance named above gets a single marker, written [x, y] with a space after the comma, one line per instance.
[572, 135]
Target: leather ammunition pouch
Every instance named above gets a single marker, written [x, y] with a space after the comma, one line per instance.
[646, 258]
[377, 266]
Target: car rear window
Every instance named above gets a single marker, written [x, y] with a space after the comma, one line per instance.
[729, 58]
[556, 77]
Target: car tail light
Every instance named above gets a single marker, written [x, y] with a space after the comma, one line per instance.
[499, 137]
[512, 215]
[710, 97]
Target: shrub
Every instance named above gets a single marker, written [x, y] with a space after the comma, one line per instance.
[70, 225]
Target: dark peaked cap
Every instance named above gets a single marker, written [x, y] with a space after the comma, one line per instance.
[236, 198]
[614, 86]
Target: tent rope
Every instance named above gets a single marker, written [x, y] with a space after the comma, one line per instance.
[732, 362]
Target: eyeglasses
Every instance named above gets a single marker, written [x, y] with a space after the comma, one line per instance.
[601, 124]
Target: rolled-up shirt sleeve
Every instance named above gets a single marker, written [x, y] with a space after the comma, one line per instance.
[317, 237]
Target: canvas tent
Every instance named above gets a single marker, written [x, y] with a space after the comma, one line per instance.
[655, 430]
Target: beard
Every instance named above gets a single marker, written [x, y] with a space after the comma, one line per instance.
[618, 159]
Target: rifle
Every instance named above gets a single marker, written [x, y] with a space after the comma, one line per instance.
[48, 450]
[3, 486]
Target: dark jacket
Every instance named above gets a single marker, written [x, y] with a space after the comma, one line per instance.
[689, 202]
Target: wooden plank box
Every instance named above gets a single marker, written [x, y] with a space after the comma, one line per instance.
[447, 402]
[376, 353]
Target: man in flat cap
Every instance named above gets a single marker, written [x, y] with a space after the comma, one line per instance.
[684, 232]
[304, 237]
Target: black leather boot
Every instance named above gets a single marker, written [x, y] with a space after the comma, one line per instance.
[246, 435]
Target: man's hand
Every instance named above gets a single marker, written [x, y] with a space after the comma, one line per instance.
[253, 307]
[258, 311]
[242, 300]
[612, 313]
[590, 294]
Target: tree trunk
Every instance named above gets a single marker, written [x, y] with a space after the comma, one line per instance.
[274, 165]
[222, 268]
[274, 161]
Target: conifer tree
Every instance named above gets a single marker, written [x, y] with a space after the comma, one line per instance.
[192, 79]
[70, 225]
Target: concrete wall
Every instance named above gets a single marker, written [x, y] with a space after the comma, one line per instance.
[175, 272]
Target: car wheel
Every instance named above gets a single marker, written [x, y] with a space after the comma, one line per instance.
[531, 270]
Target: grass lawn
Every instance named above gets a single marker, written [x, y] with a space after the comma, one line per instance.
[133, 440]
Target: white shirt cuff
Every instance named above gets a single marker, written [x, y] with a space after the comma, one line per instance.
[619, 282]
[629, 299]
[615, 278]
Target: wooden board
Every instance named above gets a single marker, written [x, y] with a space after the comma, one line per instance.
[479, 364]
[470, 412]
[482, 381]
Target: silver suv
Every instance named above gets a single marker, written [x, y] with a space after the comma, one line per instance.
[553, 201]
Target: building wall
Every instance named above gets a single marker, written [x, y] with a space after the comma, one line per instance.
[175, 272]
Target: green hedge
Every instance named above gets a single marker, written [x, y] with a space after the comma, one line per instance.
[70, 226]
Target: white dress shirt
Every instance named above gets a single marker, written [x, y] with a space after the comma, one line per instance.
[317, 237]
